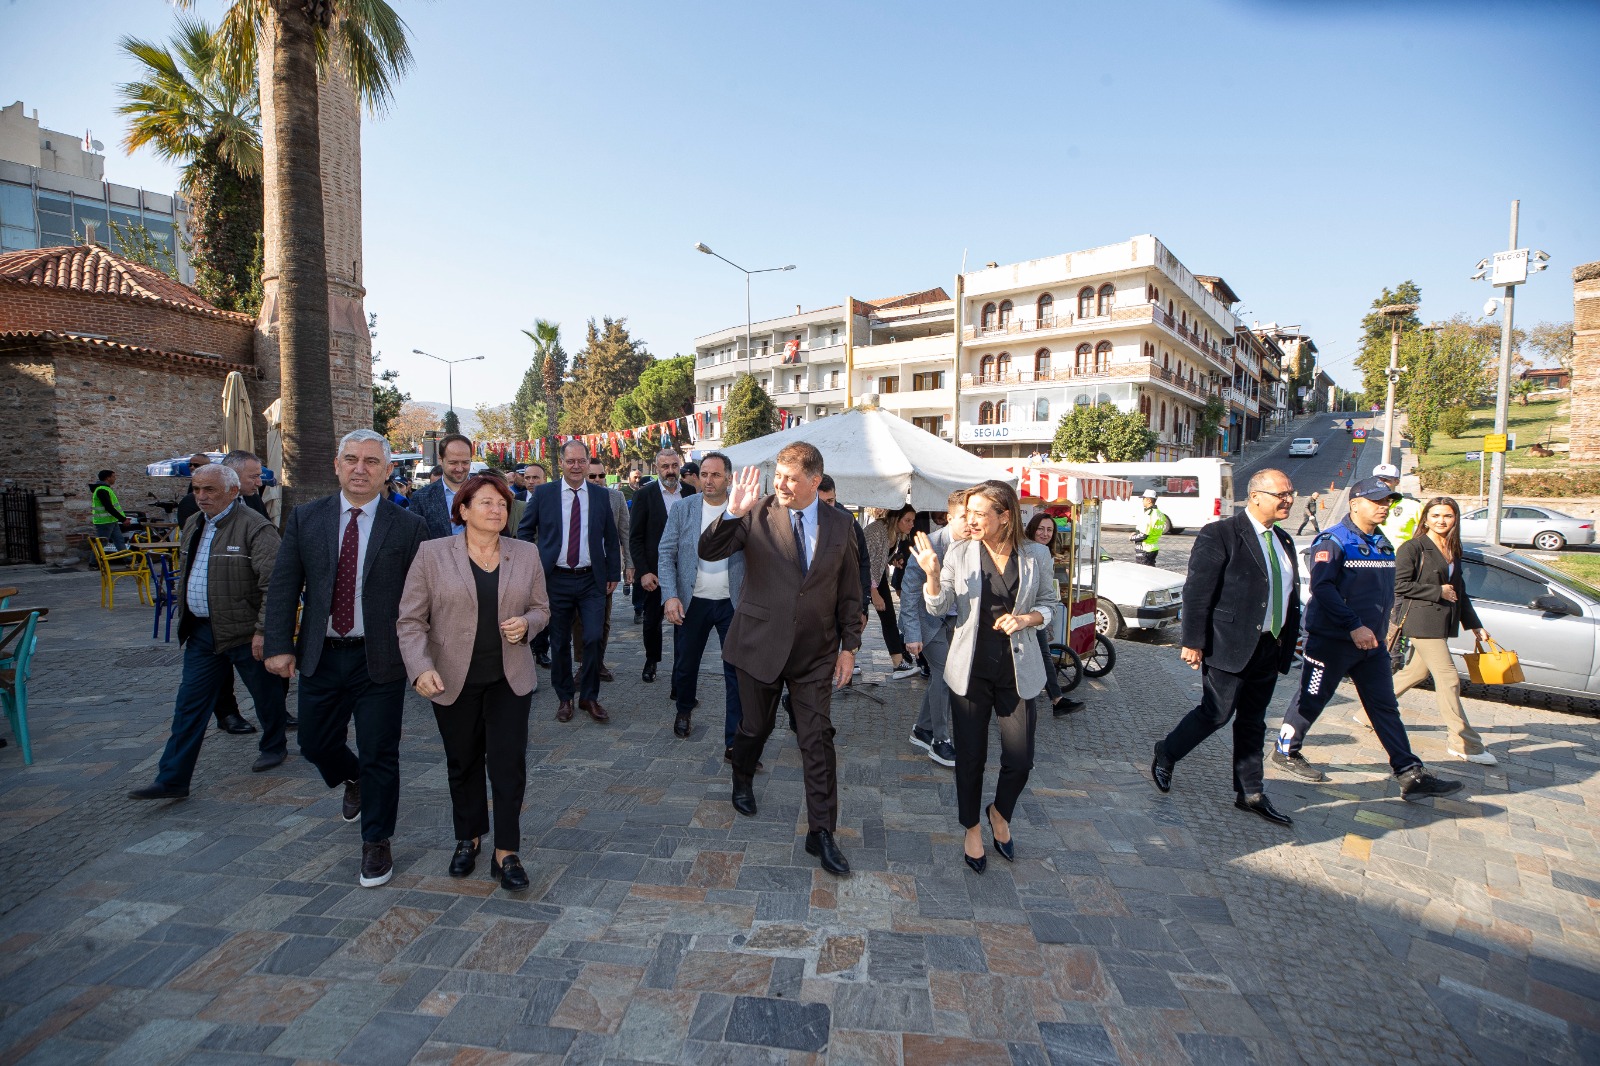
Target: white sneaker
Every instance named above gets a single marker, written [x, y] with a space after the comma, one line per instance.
[1360, 718]
[1482, 758]
[855, 670]
[903, 671]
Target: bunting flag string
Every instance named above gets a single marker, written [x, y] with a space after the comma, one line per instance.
[685, 429]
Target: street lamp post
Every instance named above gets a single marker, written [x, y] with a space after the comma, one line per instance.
[1395, 313]
[700, 247]
[450, 372]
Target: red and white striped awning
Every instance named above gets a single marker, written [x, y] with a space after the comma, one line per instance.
[1065, 484]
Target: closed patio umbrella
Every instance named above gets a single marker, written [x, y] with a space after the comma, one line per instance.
[238, 421]
[272, 495]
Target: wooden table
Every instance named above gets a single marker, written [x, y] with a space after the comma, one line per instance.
[155, 545]
[14, 619]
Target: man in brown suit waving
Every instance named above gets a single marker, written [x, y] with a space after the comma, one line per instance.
[798, 625]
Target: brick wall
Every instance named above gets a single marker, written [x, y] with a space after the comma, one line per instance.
[1585, 433]
[128, 319]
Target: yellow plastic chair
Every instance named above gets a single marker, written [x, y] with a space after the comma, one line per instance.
[116, 565]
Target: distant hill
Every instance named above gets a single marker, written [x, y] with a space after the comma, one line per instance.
[469, 420]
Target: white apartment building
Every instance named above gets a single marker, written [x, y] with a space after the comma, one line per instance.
[803, 360]
[1126, 324]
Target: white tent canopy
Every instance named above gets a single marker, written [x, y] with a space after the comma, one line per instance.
[876, 459]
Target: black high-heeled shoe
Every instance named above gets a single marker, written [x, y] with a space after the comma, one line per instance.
[513, 878]
[978, 865]
[1008, 849]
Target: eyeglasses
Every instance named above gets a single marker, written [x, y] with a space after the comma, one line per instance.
[1286, 497]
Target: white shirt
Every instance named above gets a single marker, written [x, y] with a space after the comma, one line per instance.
[364, 536]
[670, 498]
[711, 579]
[1285, 570]
[568, 499]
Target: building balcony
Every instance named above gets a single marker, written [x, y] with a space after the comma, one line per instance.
[1060, 323]
[1191, 339]
[1135, 370]
[930, 400]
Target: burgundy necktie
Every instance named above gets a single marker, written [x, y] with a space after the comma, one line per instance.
[344, 580]
[574, 531]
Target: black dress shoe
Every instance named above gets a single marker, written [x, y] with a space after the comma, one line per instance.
[820, 842]
[1064, 706]
[465, 858]
[727, 755]
[744, 798]
[680, 725]
[159, 792]
[513, 878]
[236, 725]
[1161, 769]
[649, 674]
[1258, 803]
[266, 761]
[350, 810]
[978, 865]
[543, 659]
[1008, 848]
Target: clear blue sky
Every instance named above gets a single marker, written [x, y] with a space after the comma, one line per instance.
[560, 160]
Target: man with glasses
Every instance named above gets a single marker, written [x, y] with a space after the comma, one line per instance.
[1241, 616]
[619, 513]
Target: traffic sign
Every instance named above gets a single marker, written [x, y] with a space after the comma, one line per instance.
[1474, 457]
[1494, 442]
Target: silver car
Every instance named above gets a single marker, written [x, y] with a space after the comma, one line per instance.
[1303, 446]
[1543, 528]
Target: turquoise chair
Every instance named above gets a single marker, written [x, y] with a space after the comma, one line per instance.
[14, 670]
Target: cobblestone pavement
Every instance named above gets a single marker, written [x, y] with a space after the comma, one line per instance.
[1133, 928]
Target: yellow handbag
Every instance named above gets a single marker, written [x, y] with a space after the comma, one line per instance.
[1497, 666]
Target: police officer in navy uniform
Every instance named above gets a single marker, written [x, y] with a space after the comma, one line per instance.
[1352, 589]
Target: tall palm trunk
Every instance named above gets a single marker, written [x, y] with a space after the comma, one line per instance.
[303, 336]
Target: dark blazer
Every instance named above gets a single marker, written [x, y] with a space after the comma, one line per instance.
[428, 503]
[1225, 595]
[307, 563]
[541, 525]
[861, 551]
[646, 521]
[783, 626]
[1420, 575]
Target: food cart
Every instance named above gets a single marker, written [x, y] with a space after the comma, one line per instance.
[1072, 496]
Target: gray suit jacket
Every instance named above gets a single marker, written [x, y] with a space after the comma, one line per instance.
[960, 582]
[679, 554]
[307, 563]
[917, 626]
[619, 514]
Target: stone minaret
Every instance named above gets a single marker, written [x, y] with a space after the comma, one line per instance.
[1585, 432]
[351, 355]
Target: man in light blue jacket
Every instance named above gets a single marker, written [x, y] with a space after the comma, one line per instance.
[929, 635]
[699, 596]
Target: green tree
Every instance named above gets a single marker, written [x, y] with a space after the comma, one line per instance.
[527, 406]
[495, 422]
[609, 365]
[665, 391]
[192, 109]
[137, 244]
[1551, 344]
[549, 371]
[748, 412]
[1207, 426]
[1373, 360]
[452, 423]
[1455, 421]
[1102, 433]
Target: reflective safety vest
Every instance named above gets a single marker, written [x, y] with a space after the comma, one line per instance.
[99, 514]
[1152, 524]
[1402, 520]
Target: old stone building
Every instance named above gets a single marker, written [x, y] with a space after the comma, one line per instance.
[1586, 363]
[106, 363]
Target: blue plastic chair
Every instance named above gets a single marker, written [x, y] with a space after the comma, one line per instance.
[165, 595]
[14, 670]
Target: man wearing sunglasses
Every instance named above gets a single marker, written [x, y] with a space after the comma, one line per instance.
[1241, 616]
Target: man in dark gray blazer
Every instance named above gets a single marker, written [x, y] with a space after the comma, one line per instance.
[1241, 616]
[433, 501]
[346, 557]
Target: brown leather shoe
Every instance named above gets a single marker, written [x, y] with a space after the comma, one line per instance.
[564, 712]
[597, 712]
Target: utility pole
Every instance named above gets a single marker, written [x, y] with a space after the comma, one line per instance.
[1396, 313]
[1508, 270]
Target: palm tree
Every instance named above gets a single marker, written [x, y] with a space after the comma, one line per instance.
[189, 109]
[551, 359]
[296, 48]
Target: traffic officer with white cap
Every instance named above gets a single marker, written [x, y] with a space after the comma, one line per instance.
[1403, 516]
[1152, 523]
[1352, 590]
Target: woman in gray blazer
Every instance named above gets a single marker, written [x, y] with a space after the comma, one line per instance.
[471, 605]
[1002, 586]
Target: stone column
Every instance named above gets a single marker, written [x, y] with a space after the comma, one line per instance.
[350, 354]
[1585, 432]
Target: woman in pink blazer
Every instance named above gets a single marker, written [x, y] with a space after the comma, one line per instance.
[471, 605]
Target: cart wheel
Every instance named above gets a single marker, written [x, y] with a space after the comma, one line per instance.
[1102, 659]
[1069, 668]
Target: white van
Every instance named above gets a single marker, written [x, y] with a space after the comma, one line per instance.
[1191, 492]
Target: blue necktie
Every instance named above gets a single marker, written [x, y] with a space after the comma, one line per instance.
[800, 540]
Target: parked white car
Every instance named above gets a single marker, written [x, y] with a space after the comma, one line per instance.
[1303, 447]
[1543, 528]
[1134, 597]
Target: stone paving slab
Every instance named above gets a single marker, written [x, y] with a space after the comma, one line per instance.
[1134, 927]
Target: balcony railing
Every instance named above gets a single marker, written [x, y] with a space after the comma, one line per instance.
[1137, 369]
[1191, 337]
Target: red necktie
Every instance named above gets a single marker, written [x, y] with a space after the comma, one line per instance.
[344, 580]
[574, 531]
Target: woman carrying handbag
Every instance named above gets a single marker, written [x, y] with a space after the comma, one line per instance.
[1434, 606]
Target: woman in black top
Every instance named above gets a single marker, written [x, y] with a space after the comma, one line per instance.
[1433, 606]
